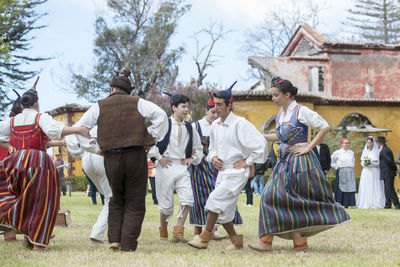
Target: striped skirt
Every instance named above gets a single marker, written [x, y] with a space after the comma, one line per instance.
[29, 194]
[203, 178]
[298, 197]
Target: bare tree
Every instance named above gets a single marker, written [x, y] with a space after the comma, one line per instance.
[271, 36]
[204, 57]
[376, 20]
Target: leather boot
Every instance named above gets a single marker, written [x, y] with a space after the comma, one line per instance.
[177, 235]
[163, 235]
[201, 241]
[237, 242]
[264, 244]
[300, 244]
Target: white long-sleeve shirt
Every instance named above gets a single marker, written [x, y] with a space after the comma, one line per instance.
[306, 116]
[236, 139]
[150, 111]
[204, 125]
[342, 159]
[178, 151]
[50, 127]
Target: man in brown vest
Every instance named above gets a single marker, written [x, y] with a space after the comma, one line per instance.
[122, 137]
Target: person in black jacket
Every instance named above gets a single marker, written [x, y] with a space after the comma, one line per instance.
[388, 172]
[324, 156]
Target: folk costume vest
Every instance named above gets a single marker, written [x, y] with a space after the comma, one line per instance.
[291, 132]
[120, 125]
[162, 146]
[28, 136]
[205, 140]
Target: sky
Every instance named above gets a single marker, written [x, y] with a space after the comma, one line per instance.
[69, 36]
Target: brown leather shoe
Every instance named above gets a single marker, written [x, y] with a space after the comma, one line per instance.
[114, 246]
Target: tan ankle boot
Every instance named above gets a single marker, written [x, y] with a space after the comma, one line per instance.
[163, 235]
[177, 235]
[201, 241]
[237, 242]
[264, 244]
[300, 244]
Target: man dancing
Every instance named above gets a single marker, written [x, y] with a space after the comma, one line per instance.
[180, 148]
[122, 137]
[204, 175]
[235, 144]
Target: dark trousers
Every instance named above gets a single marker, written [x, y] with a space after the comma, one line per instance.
[153, 190]
[127, 174]
[390, 193]
[93, 191]
[249, 192]
[63, 186]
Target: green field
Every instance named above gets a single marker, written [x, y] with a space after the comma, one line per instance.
[372, 238]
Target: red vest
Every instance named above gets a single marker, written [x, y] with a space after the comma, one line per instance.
[28, 136]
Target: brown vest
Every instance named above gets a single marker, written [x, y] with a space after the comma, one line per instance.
[120, 124]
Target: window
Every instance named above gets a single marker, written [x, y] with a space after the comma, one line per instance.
[316, 79]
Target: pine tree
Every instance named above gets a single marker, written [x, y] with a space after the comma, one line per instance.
[18, 18]
[376, 20]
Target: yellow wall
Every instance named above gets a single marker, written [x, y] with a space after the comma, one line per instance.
[258, 112]
[77, 164]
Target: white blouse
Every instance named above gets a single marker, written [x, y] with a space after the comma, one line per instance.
[342, 159]
[306, 116]
[204, 125]
[50, 127]
[236, 139]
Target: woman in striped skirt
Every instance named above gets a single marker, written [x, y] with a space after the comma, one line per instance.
[204, 175]
[297, 200]
[29, 191]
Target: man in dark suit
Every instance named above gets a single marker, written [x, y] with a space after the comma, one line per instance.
[388, 172]
[324, 156]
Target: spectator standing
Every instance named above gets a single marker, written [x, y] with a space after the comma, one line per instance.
[345, 183]
[388, 172]
[60, 164]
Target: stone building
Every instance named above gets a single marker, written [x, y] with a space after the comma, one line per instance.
[69, 115]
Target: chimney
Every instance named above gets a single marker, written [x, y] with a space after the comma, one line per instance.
[369, 91]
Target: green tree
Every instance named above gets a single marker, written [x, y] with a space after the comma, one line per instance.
[18, 18]
[139, 42]
[376, 20]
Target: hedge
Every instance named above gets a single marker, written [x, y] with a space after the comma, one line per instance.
[81, 182]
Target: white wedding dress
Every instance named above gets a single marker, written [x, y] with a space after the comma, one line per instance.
[371, 192]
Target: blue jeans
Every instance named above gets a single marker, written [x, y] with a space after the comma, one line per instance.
[258, 183]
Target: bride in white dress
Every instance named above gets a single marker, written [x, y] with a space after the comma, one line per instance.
[371, 193]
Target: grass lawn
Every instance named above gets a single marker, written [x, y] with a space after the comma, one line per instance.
[372, 238]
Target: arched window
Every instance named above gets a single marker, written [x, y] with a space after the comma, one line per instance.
[357, 122]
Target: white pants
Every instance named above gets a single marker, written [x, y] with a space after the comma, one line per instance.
[223, 198]
[175, 177]
[93, 165]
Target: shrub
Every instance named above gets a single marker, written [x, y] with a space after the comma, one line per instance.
[80, 182]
